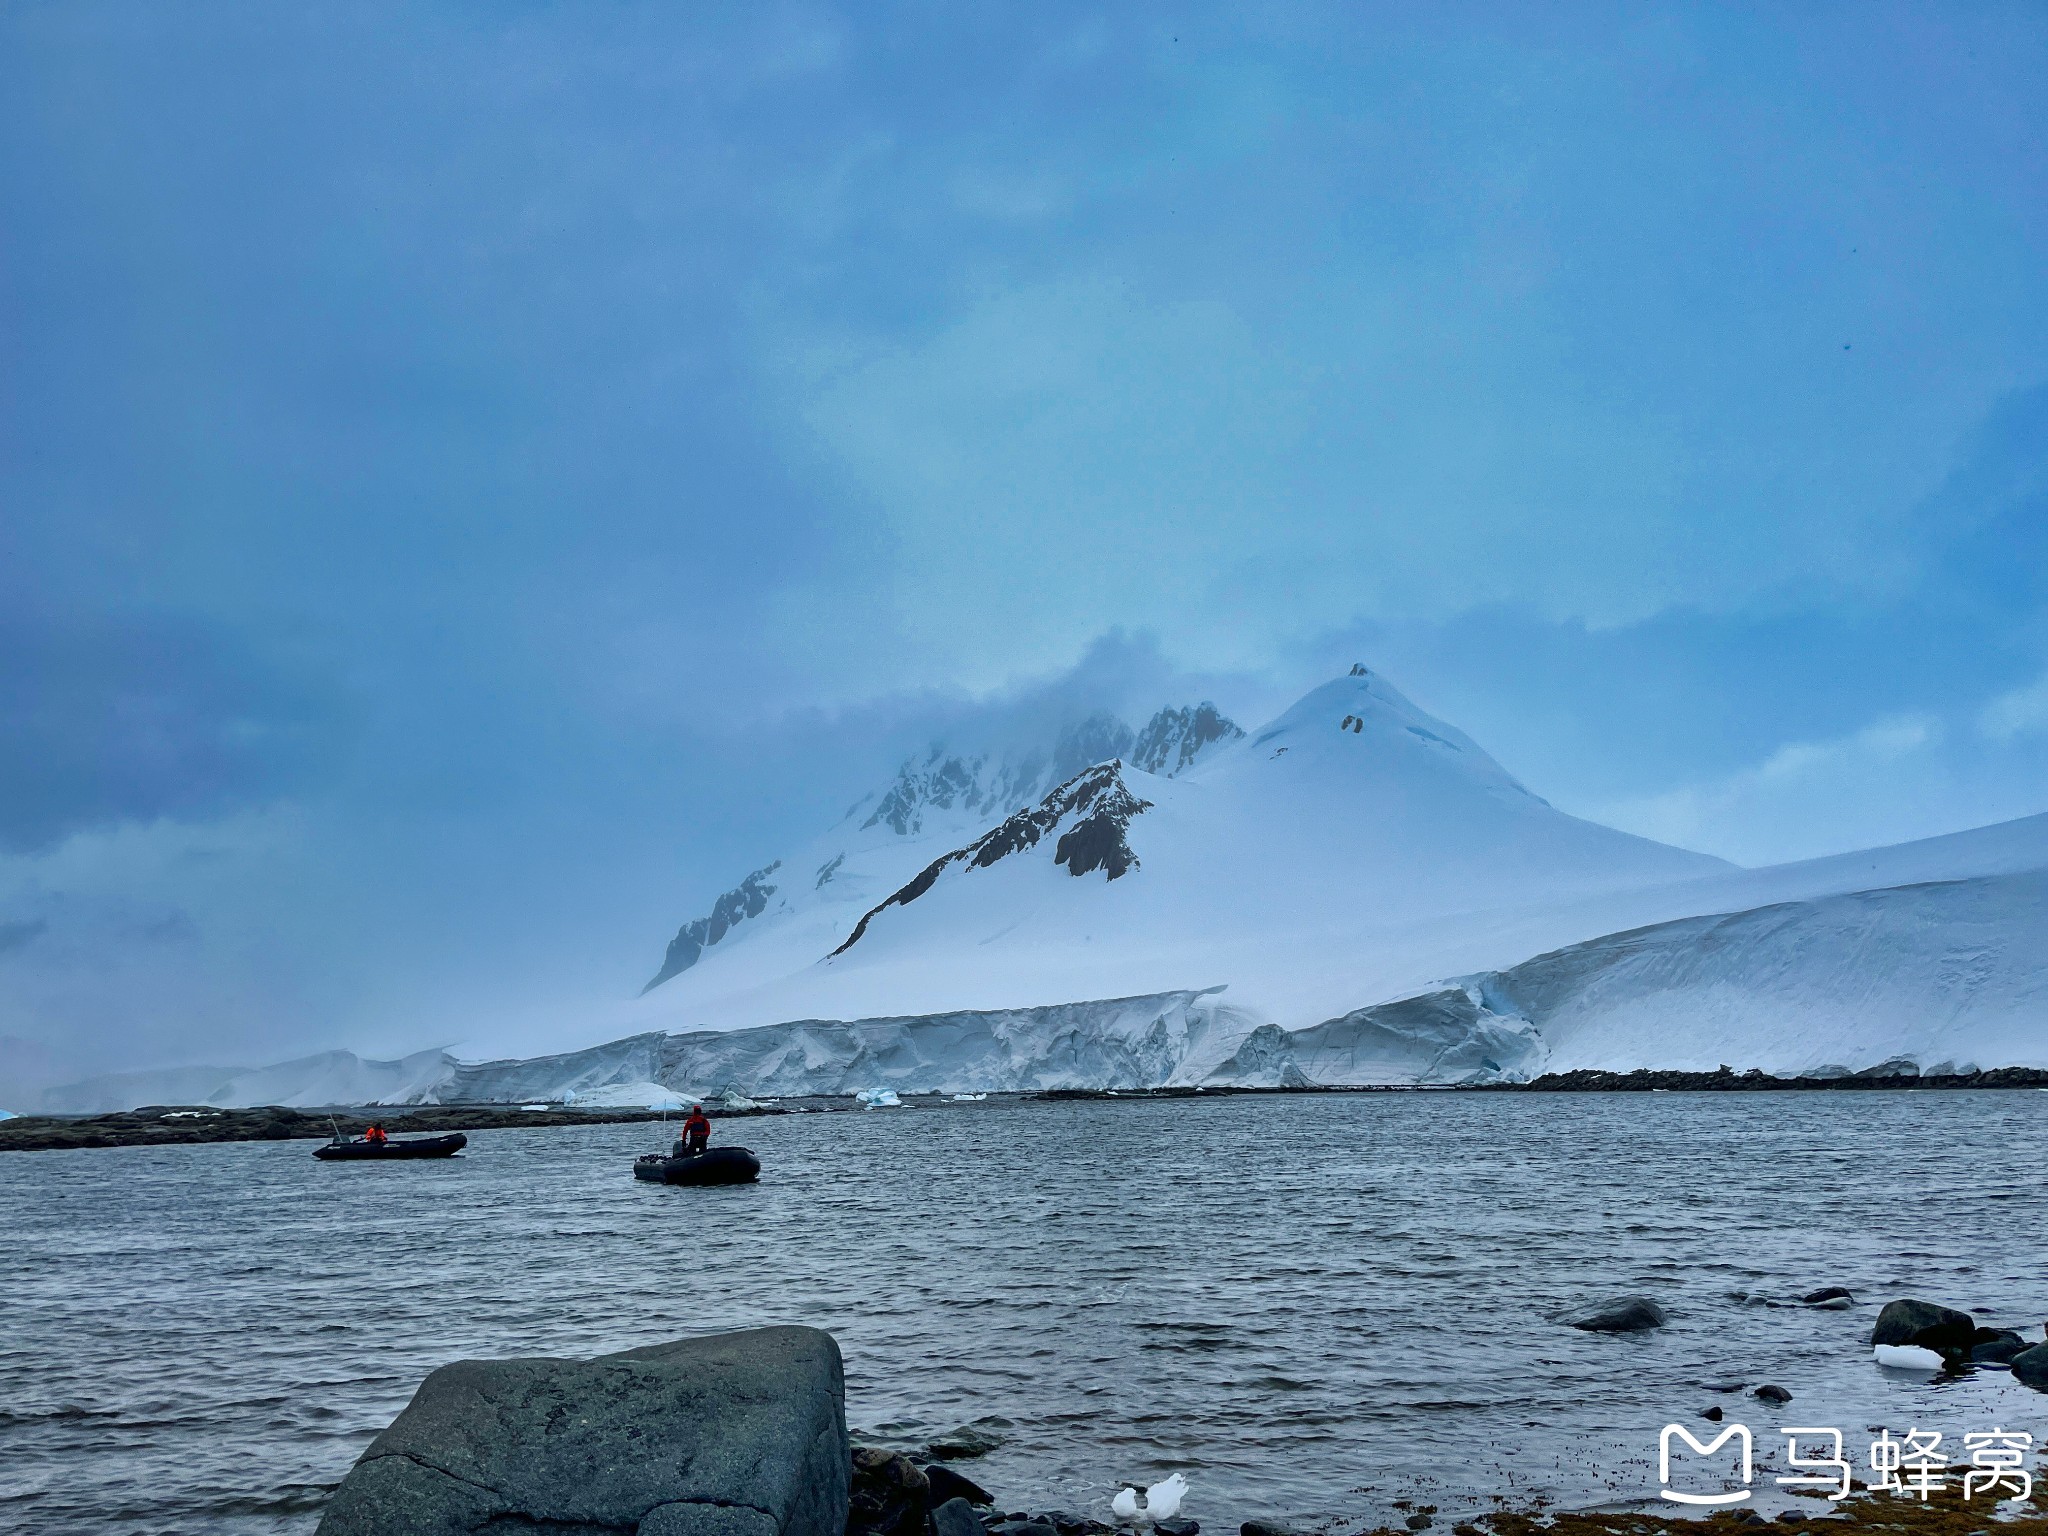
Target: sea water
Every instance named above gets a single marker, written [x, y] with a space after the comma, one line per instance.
[1313, 1306]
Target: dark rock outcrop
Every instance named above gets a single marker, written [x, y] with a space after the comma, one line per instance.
[1996, 1346]
[1622, 1314]
[956, 1517]
[1828, 1294]
[1941, 1329]
[1022, 1528]
[747, 899]
[1770, 1393]
[2031, 1367]
[889, 1494]
[737, 1434]
[1102, 807]
[947, 1485]
[1174, 738]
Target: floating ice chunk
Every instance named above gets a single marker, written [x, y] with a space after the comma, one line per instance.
[1907, 1357]
[879, 1098]
[1162, 1502]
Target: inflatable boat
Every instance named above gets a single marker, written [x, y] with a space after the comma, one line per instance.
[716, 1165]
[360, 1151]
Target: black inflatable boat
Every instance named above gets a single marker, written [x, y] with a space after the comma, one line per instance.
[360, 1151]
[718, 1165]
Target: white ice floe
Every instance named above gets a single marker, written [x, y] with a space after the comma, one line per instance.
[879, 1098]
[641, 1095]
[1162, 1502]
[1907, 1357]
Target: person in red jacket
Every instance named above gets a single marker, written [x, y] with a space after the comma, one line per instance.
[375, 1136]
[696, 1131]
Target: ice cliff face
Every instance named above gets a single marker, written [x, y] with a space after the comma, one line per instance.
[1118, 1043]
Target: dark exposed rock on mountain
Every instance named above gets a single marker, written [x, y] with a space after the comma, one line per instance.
[1100, 807]
[747, 899]
[1174, 738]
[738, 1434]
[958, 792]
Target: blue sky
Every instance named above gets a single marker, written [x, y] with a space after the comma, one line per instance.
[474, 479]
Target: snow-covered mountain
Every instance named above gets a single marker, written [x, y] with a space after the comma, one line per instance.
[1290, 865]
[1355, 893]
[795, 909]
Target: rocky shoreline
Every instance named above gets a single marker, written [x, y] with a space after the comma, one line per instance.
[744, 1434]
[173, 1125]
[167, 1125]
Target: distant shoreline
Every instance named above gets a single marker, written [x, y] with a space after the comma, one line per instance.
[174, 1125]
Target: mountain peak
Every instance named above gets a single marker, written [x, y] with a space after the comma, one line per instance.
[1174, 738]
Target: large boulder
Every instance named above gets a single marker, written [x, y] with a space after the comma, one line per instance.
[956, 1517]
[2031, 1366]
[1622, 1314]
[736, 1434]
[1941, 1329]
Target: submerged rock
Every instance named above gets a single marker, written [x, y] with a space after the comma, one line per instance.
[1770, 1393]
[1621, 1314]
[736, 1434]
[965, 1443]
[1942, 1329]
[1834, 1297]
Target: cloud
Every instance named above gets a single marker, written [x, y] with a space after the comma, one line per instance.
[19, 934]
[2021, 712]
[111, 721]
[1805, 799]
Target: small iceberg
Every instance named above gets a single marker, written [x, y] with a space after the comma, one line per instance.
[1907, 1357]
[879, 1098]
[733, 1099]
[1162, 1502]
[8, 1114]
[970, 1098]
[640, 1095]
